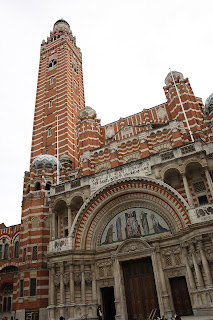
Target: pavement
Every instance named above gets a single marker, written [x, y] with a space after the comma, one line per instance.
[197, 317]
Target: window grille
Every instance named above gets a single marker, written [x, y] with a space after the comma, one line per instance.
[168, 260]
[188, 149]
[167, 155]
[199, 187]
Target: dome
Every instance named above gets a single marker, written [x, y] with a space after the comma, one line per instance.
[175, 74]
[87, 112]
[44, 160]
[61, 23]
[209, 104]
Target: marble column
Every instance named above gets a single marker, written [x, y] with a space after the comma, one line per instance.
[118, 290]
[94, 290]
[59, 226]
[83, 292]
[209, 180]
[189, 270]
[52, 286]
[69, 218]
[62, 289]
[197, 269]
[205, 264]
[72, 285]
[53, 225]
[187, 189]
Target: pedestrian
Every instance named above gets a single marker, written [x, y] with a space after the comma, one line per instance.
[177, 317]
[99, 313]
[163, 317]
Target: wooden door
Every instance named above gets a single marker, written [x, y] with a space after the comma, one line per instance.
[180, 296]
[141, 296]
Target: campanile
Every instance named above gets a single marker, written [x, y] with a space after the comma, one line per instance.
[60, 95]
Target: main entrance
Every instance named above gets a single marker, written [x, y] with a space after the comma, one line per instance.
[141, 295]
[180, 296]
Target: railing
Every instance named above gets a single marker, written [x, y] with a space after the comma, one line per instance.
[84, 317]
[152, 314]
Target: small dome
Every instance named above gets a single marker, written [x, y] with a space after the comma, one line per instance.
[209, 104]
[87, 112]
[44, 160]
[61, 23]
[175, 74]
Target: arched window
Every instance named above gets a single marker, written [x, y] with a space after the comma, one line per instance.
[16, 250]
[6, 251]
[37, 186]
[28, 188]
[7, 298]
[48, 185]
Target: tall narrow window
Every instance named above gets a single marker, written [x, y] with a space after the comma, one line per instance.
[6, 251]
[35, 253]
[24, 254]
[32, 287]
[21, 288]
[49, 132]
[51, 80]
[0, 251]
[16, 250]
[50, 104]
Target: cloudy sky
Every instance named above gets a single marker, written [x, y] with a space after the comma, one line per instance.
[128, 48]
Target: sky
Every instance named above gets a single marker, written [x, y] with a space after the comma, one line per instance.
[127, 47]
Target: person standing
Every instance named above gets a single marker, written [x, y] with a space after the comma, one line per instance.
[99, 312]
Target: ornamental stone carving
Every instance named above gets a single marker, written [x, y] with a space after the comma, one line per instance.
[134, 246]
[190, 260]
[197, 257]
[66, 278]
[56, 279]
[88, 277]
[209, 255]
[77, 277]
[106, 283]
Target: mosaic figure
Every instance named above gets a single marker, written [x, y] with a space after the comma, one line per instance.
[109, 235]
[144, 222]
[156, 225]
[132, 227]
[119, 229]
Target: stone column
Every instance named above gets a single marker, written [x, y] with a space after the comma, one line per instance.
[209, 180]
[52, 286]
[187, 189]
[94, 290]
[83, 292]
[197, 268]
[59, 226]
[72, 285]
[189, 270]
[62, 291]
[118, 290]
[69, 218]
[205, 264]
[53, 225]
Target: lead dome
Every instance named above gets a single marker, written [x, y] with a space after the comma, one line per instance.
[87, 112]
[61, 23]
[209, 104]
[176, 75]
[44, 160]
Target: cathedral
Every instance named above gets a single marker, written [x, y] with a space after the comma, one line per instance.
[119, 215]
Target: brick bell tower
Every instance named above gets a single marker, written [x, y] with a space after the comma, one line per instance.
[60, 94]
[59, 99]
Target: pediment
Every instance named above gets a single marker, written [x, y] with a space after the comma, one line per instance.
[133, 245]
